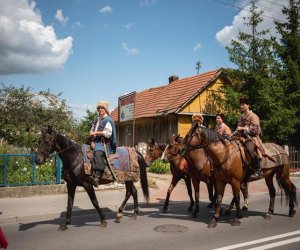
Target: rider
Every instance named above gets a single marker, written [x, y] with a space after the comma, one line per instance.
[103, 133]
[221, 127]
[249, 126]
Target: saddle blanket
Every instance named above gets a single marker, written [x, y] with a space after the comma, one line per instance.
[277, 153]
[124, 164]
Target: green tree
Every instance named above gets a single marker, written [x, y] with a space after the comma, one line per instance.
[288, 49]
[23, 114]
[83, 127]
[255, 76]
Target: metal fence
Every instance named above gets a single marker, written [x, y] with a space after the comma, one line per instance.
[21, 170]
[294, 160]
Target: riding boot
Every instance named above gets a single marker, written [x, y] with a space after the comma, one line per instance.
[256, 168]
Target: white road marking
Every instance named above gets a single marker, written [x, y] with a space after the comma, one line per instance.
[276, 244]
[248, 243]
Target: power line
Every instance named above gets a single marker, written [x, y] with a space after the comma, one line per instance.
[239, 8]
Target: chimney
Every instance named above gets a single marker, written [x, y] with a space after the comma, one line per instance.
[173, 78]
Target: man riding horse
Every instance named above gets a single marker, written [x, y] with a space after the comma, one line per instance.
[103, 133]
[249, 127]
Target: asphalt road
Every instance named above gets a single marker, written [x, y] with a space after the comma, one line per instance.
[154, 230]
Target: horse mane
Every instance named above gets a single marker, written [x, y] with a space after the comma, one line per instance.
[214, 136]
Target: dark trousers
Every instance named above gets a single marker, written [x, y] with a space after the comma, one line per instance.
[99, 161]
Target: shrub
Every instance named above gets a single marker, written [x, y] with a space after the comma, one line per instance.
[159, 167]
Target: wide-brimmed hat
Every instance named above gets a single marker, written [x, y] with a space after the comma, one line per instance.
[197, 118]
[103, 104]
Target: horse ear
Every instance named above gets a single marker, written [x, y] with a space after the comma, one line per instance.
[177, 137]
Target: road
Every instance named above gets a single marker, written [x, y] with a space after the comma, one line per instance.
[154, 230]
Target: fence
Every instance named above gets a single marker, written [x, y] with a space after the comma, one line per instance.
[21, 170]
[294, 160]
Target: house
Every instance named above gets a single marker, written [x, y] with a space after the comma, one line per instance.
[162, 111]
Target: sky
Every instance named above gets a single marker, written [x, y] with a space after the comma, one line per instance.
[91, 50]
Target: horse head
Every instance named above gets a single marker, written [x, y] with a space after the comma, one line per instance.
[154, 151]
[47, 145]
[174, 147]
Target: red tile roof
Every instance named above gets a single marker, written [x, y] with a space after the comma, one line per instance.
[169, 98]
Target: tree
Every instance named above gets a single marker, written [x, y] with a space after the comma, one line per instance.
[23, 114]
[255, 77]
[288, 49]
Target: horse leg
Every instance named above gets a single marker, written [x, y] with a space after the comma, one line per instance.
[211, 195]
[91, 192]
[128, 185]
[220, 188]
[236, 189]
[188, 183]
[272, 193]
[244, 189]
[196, 185]
[71, 194]
[289, 189]
[175, 180]
[135, 202]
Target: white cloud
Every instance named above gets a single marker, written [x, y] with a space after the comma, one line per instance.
[78, 25]
[79, 110]
[197, 47]
[148, 3]
[26, 44]
[129, 25]
[60, 17]
[129, 51]
[106, 9]
[272, 10]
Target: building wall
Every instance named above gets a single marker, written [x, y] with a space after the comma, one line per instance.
[159, 128]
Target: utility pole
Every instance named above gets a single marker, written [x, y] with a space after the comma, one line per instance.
[198, 66]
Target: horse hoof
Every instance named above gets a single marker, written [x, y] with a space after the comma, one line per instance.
[103, 223]
[245, 209]
[227, 212]
[240, 216]
[212, 224]
[292, 213]
[165, 210]
[268, 216]
[62, 227]
[236, 222]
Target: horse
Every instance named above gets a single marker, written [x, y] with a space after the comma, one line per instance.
[230, 167]
[72, 156]
[199, 169]
[154, 151]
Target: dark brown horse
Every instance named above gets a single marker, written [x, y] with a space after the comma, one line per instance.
[72, 157]
[199, 168]
[154, 151]
[230, 167]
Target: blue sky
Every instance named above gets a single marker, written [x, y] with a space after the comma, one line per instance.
[91, 50]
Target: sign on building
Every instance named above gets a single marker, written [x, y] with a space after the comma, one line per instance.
[126, 107]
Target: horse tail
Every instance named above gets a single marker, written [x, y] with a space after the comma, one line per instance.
[143, 176]
[290, 193]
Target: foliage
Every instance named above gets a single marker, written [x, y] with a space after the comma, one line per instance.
[159, 167]
[23, 114]
[258, 76]
[21, 170]
[84, 126]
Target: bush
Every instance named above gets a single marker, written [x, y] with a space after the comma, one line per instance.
[159, 167]
[20, 169]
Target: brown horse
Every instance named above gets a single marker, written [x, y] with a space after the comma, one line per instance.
[230, 167]
[72, 157]
[154, 151]
[199, 168]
